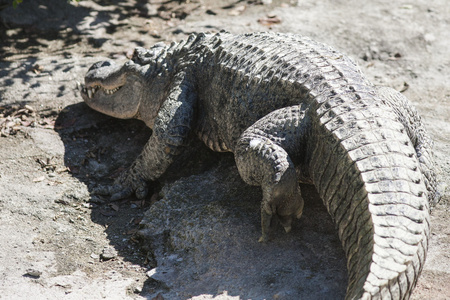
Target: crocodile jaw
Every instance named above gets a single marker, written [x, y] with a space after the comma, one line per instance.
[108, 90]
[89, 92]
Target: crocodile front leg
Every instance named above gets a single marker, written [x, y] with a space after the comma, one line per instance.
[170, 131]
[262, 156]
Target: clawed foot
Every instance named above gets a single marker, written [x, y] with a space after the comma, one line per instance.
[124, 186]
[265, 234]
[287, 208]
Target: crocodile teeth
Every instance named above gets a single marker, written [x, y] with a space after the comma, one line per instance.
[110, 92]
[90, 91]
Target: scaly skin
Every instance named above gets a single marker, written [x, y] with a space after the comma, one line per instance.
[290, 109]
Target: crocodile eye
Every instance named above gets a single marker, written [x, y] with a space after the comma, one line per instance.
[100, 64]
[105, 64]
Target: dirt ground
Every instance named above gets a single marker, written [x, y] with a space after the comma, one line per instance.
[57, 239]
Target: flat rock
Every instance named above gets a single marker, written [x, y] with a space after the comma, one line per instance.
[108, 253]
[204, 236]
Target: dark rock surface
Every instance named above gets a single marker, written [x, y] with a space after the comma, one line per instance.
[203, 235]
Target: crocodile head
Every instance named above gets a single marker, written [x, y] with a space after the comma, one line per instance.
[135, 89]
[113, 90]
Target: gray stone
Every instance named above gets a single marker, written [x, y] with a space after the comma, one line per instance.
[108, 253]
[203, 235]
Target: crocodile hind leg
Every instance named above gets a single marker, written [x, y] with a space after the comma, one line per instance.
[261, 162]
[263, 157]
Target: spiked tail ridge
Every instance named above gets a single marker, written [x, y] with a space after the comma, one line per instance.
[367, 173]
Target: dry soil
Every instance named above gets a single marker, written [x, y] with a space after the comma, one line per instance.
[57, 240]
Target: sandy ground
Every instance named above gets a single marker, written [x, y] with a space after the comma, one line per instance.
[57, 240]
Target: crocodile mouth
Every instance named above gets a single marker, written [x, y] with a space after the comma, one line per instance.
[92, 90]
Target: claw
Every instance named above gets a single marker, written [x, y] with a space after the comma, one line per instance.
[141, 192]
[101, 190]
[263, 239]
[265, 225]
[122, 194]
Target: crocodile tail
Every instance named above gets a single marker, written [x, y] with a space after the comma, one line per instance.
[366, 170]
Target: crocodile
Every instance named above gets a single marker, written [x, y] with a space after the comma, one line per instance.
[291, 110]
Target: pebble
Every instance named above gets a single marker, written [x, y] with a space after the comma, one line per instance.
[95, 256]
[108, 253]
[33, 273]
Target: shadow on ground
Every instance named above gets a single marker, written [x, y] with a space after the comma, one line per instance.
[208, 244]
[36, 24]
